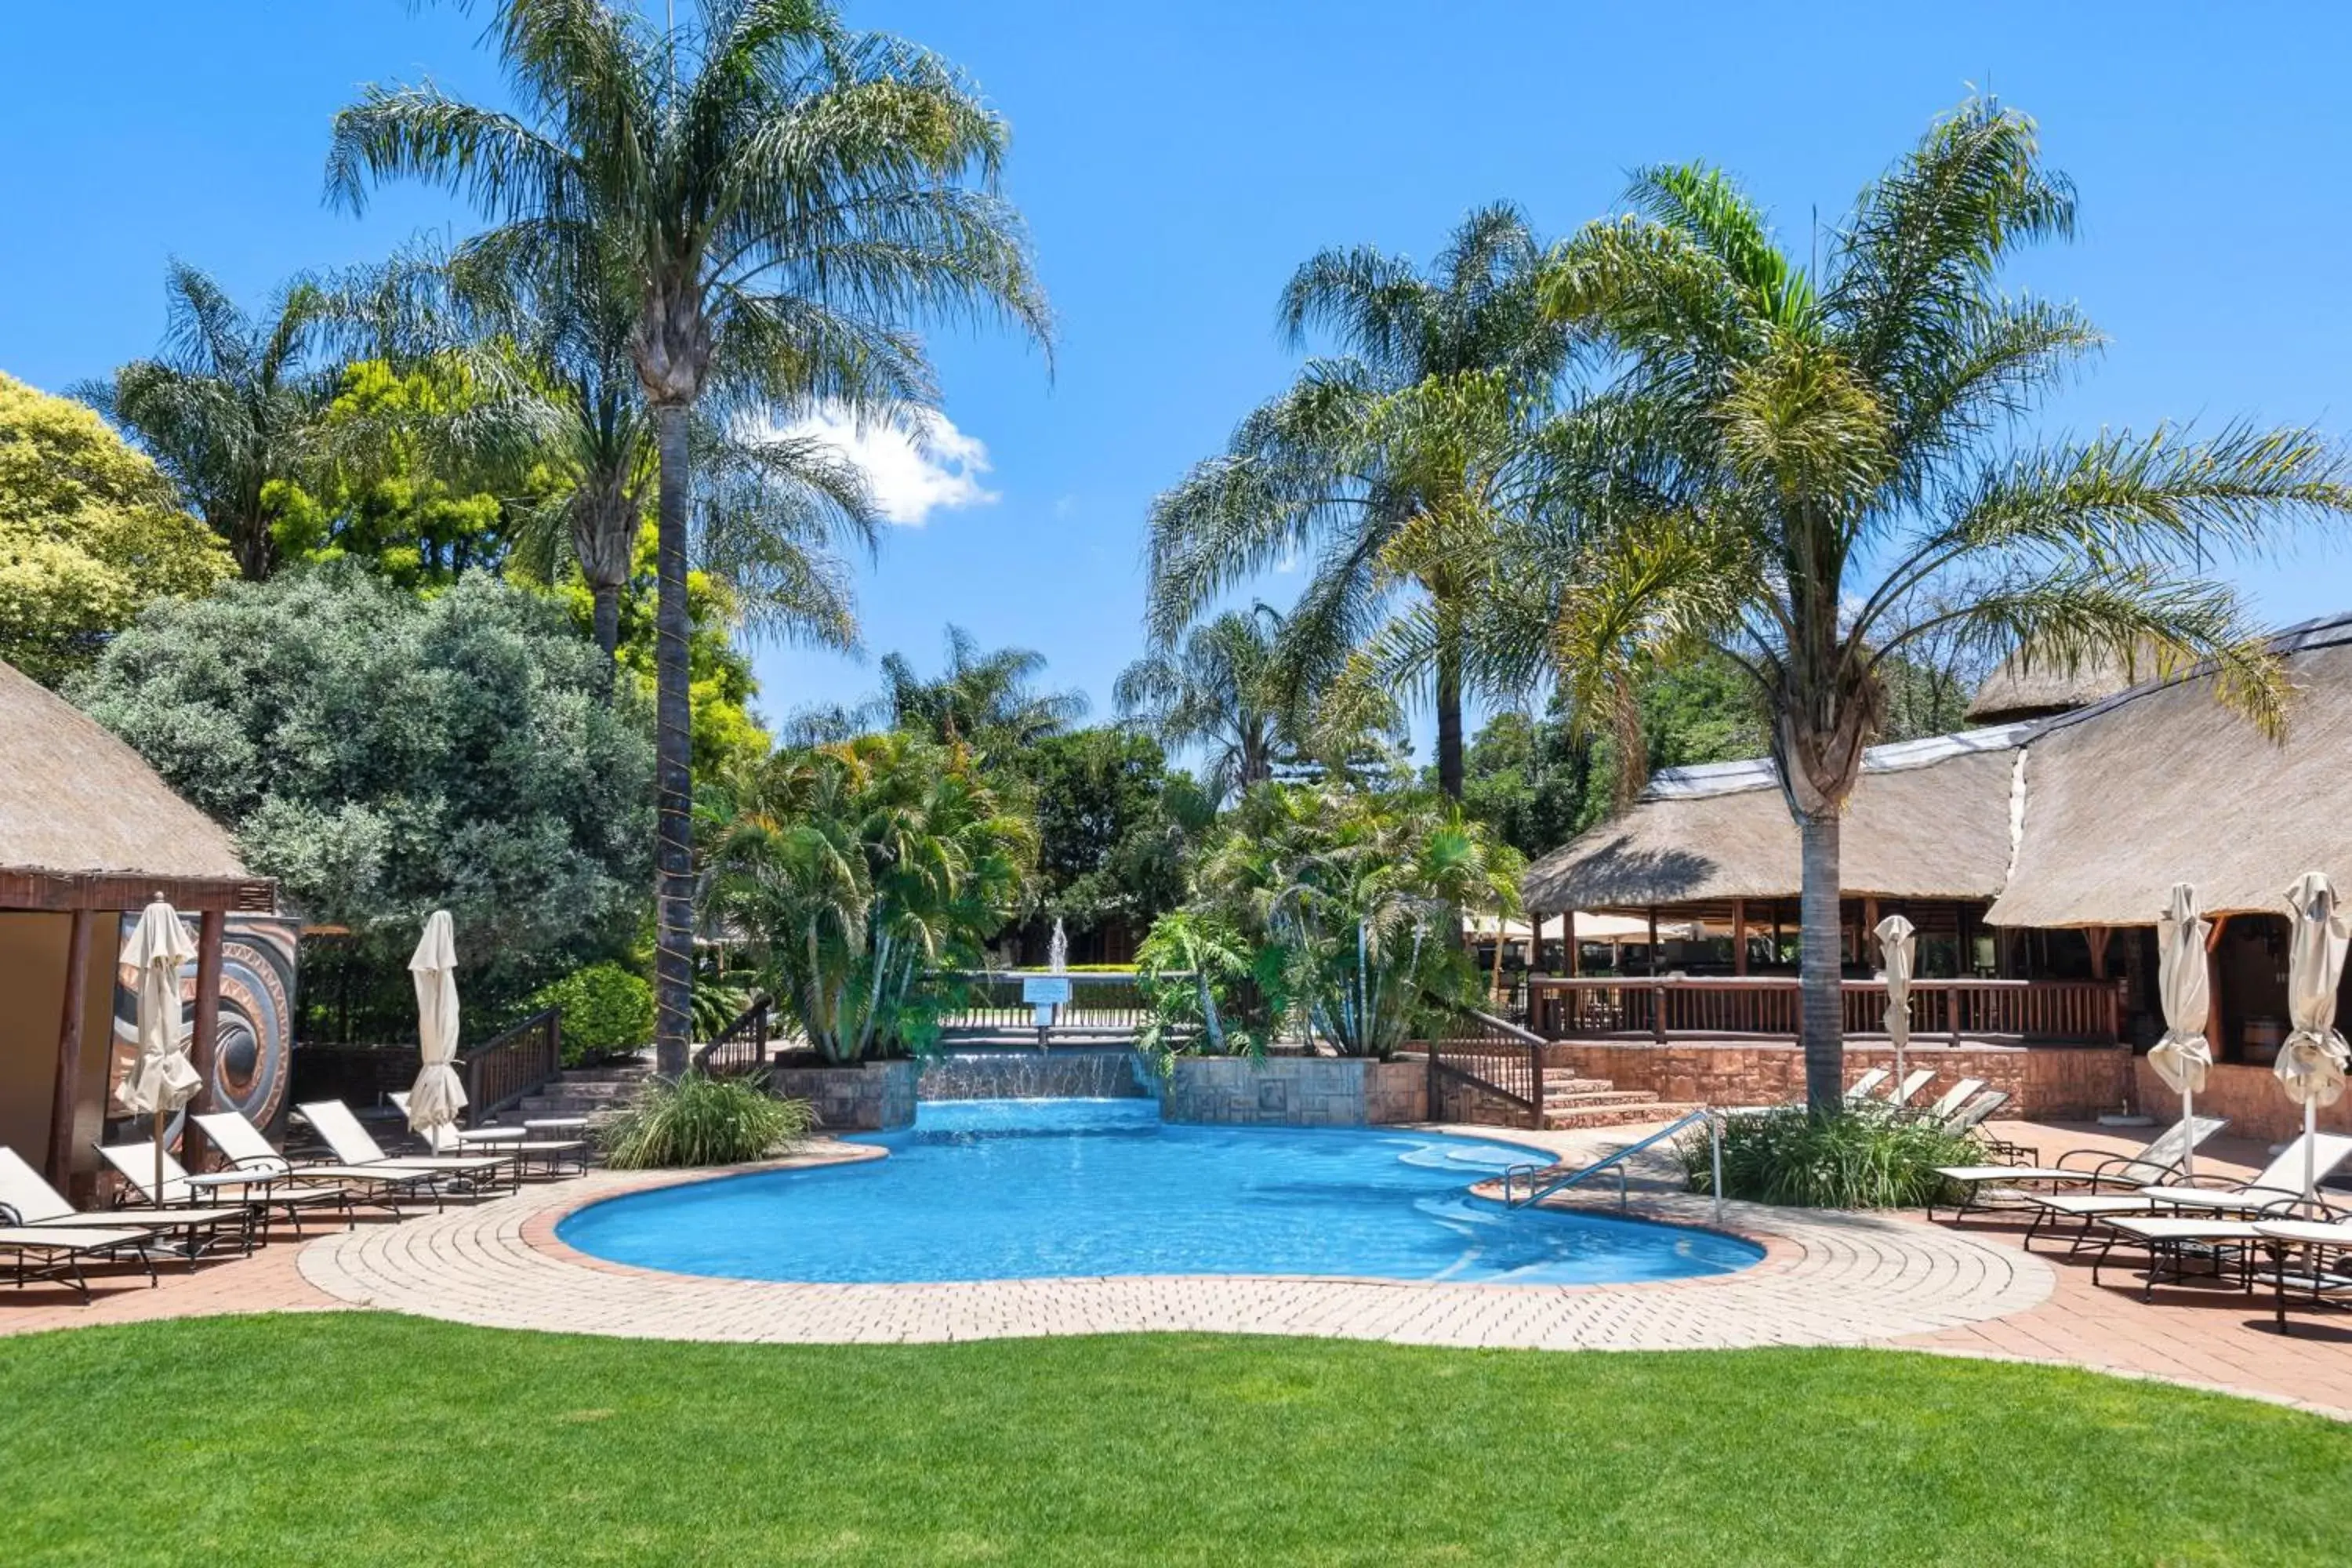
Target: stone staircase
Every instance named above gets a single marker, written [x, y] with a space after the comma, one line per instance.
[1577, 1103]
[581, 1091]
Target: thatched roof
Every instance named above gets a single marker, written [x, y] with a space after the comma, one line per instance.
[2160, 785]
[78, 806]
[2024, 687]
[1930, 819]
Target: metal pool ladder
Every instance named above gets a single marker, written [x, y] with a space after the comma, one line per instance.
[1616, 1162]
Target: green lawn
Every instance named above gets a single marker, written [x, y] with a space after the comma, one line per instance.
[352, 1439]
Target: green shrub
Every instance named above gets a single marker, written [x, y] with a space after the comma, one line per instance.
[697, 1120]
[607, 1009]
[1856, 1160]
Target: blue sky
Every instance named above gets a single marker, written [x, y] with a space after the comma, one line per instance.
[1177, 162]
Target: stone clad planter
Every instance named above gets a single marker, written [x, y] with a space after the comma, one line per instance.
[1294, 1091]
[873, 1097]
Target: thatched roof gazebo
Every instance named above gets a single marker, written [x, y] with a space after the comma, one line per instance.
[89, 832]
[2025, 687]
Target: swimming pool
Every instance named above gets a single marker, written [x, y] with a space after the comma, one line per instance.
[1058, 1188]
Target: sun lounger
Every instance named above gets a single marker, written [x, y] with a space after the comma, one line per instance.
[2092, 1168]
[1864, 1087]
[28, 1200]
[2327, 1248]
[1975, 1113]
[333, 1121]
[135, 1163]
[249, 1152]
[1947, 1104]
[515, 1140]
[1913, 1082]
[2282, 1178]
[57, 1252]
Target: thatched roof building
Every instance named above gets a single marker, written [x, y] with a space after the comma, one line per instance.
[2160, 785]
[85, 823]
[2024, 687]
[2080, 820]
[1722, 832]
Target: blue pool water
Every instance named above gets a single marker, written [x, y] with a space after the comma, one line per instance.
[1040, 1188]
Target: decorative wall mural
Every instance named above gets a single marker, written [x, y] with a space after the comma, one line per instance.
[253, 1059]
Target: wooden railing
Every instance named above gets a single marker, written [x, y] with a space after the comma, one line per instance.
[741, 1046]
[1475, 1057]
[503, 1070]
[1098, 1004]
[1667, 1006]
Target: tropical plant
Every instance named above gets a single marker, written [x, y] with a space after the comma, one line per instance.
[697, 1120]
[1116, 828]
[1418, 426]
[1852, 1159]
[91, 533]
[1810, 474]
[854, 871]
[778, 195]
[608, 1009]
[1347, 896]
[233, 402]
[1193, 973]
[385, 755]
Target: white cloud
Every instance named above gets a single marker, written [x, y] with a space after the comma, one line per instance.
[915, 469]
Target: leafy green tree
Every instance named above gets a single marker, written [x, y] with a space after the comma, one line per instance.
[91, 533]
[779, 196]
[385, 755]
[1115, 827]
[1809, 474]
[983, 698]
[853, 870]
[726, 733]
[1349, 896]
[1415, 427]
[234, 401]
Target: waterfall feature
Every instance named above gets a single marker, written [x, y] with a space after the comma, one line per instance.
[1023, 1072]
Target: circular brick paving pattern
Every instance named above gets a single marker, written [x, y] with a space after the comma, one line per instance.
[1827, 1279]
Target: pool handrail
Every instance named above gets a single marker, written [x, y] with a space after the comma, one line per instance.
[1616, 1162]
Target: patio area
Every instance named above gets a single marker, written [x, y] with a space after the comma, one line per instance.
[1829, 1278]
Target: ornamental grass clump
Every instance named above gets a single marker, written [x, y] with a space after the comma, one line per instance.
[697, 1120]
[1854, 1160]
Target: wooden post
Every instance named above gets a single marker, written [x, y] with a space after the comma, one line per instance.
[1869, 934]
[2213, 984]
[1654, 939]
[1739, 936]
[1570, 956]
[204, 1039]
[2097, 936]
[68, 1090]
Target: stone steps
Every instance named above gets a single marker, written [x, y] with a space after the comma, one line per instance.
[1627, 1114]
[1579, 1100]
[582, 1092]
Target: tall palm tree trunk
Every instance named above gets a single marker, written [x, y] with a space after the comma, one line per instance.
[1449, 718]
[674, 763]
[608, 618]
[1821, 967]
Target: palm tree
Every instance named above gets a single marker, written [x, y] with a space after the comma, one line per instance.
[231, 402]
[983, 698]
[779, 196]
[1344, 462]
[1813, 475]
[1221, 689]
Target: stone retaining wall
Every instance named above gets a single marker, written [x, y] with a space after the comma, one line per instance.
[2066, 1083]
[2249, 1096]
[876, 1097]
[1296, 1091]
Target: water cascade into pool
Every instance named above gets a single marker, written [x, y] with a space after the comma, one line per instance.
[1013, 1189]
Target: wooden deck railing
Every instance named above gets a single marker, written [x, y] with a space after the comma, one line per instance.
[1669, 1007]
[1476, 1056]
[741, 1046]
[503, 1070]
[1098, 1004]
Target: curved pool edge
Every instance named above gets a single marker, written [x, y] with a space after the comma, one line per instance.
[1826, 1279]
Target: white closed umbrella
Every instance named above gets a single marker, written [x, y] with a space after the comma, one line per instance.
[437, 1096]
[1898, 945]
[2186, 991]
[162, 1079]
[2311, 1063]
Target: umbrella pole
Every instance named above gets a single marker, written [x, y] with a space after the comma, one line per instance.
[161, 1118]
[2188, 1137]
[2310, 1158]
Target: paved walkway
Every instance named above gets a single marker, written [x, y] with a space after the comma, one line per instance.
[1827, 1280]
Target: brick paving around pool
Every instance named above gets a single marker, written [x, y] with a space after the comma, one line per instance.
[1828, 1278]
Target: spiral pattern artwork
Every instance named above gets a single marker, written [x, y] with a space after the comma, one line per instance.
[253, 1057]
